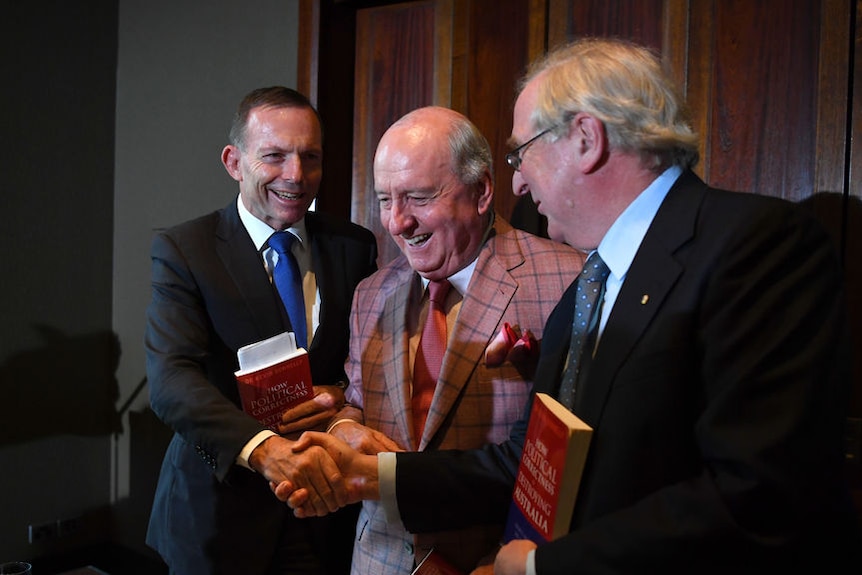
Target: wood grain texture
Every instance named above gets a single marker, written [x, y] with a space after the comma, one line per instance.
[394, 73]
[499, 53]
[638, 20]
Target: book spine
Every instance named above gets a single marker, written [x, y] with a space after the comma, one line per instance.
[537, 486]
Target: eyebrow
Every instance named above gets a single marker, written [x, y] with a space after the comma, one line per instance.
[512, 142]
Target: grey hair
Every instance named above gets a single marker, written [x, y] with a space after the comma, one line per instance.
[624, 86]
[471, 153]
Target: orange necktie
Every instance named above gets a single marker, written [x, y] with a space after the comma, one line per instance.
[429, 357]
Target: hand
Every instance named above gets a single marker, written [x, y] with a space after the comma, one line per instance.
[364, 439]
[358, 474]
[512, 558]
[314, 414]
[311, 470]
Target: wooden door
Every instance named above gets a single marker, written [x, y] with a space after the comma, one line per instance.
[770, 84]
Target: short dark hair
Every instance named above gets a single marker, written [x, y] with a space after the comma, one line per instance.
[272, 97]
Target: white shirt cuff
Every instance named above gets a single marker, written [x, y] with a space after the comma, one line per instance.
[531, 562]
[242, 458]
[386, 462]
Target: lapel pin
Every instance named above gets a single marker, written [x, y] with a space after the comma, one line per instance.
[644, 299]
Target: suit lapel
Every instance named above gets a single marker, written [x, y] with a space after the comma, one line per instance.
[488, 295]
[650, 279]
[396, 352]
[243, 262]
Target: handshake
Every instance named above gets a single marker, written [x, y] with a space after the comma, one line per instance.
[319, 473]
[316, 474]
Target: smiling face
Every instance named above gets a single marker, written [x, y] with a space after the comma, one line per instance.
[437, 221]
[279, 166]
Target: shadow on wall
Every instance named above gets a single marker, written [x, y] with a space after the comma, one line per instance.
[66, 386]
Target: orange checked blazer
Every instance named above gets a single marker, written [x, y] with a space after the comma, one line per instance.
[518, 278]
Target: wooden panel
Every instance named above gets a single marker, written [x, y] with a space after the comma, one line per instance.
[762, 105]
[835, 178]
[637, 20]
[308, 48]
[698, 87]
[499, 42]
[832, 91]
[674, 44]
[852, 226]
[327, 31]
[394, 73]
[855, 168]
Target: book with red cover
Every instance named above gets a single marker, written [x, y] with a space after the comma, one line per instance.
[274, 375]
[549, 474]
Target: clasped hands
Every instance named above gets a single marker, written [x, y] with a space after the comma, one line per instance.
[334, 475]
[331, 470]
[319, 473]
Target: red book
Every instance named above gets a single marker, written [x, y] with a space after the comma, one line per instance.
[555, 450]
[274, 375]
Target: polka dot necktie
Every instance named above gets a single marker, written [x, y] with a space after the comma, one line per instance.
[591, 284]
[288, 282]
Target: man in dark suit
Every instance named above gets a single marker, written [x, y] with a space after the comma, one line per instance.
[716, 377]
[212, 294]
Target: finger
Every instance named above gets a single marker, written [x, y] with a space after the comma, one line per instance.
[333, 492]
[298, 499]
[391, 444]
[304, 512]
[325, 399]
[323, 478]
[385, 443]
[283, 489]
[324, 440]
[315, 421]
[301, 411]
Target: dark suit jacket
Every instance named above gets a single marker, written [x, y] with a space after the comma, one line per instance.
[716, 395]
[211, 296]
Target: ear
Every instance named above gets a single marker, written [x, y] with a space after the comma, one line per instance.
[591, 139]
[485, 191]
[230, 157]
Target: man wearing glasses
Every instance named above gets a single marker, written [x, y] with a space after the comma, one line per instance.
[716, 376]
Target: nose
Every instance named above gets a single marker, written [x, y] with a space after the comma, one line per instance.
[291, 168]
[401, 219]
[519, 185]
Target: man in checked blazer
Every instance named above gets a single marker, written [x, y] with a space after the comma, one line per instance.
[213, 511]
[717, 385]
[432, 177]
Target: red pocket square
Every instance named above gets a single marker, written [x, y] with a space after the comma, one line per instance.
[510, 344]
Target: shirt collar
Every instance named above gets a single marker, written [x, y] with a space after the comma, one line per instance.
[461, 279]
[623, 239]
[260, 231]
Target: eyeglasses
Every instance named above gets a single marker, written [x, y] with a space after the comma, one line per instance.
[513, 158]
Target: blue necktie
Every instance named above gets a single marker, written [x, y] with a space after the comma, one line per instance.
[591, 283]
[288, 282]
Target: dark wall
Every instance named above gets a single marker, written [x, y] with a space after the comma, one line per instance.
[57, 351]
